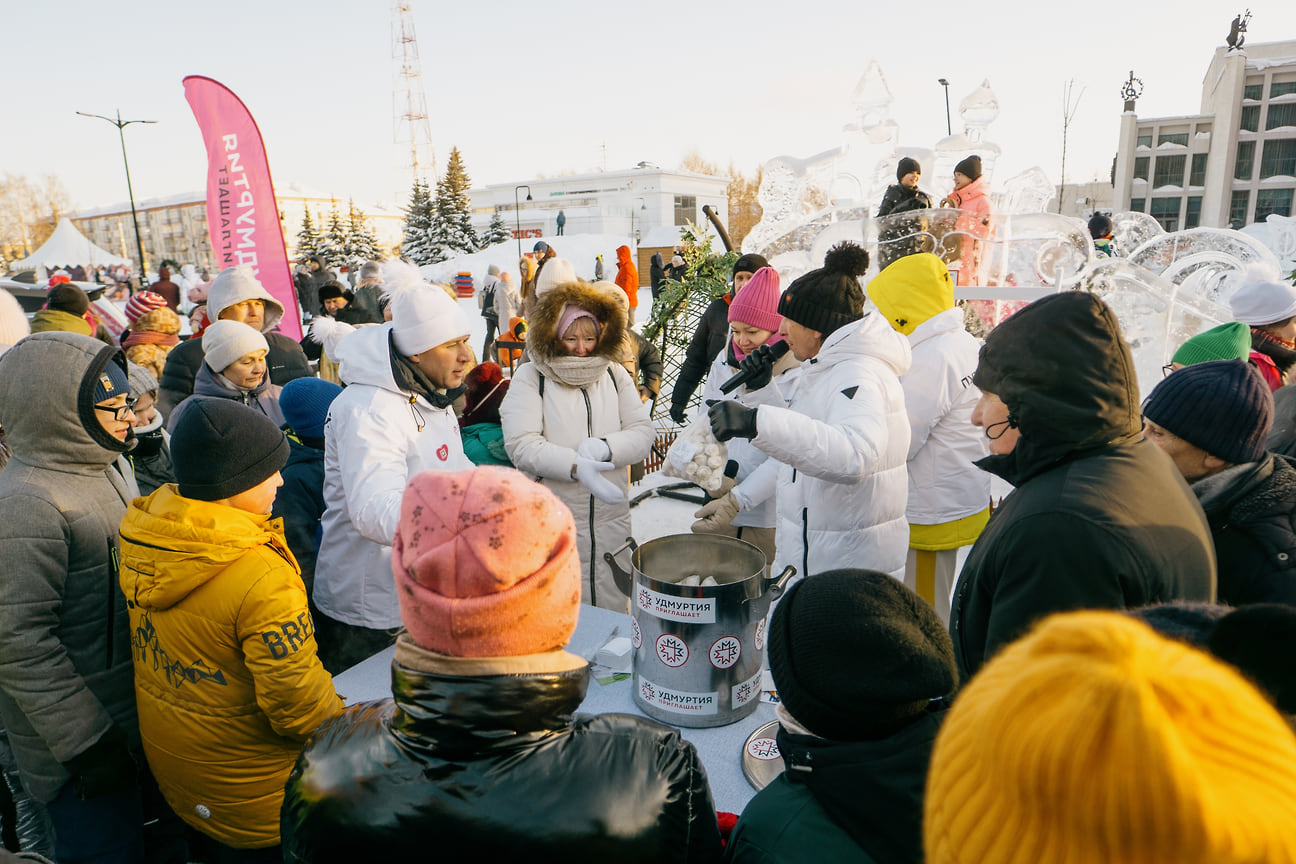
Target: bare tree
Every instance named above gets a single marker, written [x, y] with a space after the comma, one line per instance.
[1070, 102]
[29, 212]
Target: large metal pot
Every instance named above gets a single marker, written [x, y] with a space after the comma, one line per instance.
[698, 649]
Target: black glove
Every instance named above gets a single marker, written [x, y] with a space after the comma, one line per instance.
[759, 365]
[730, 419]
[677, 414]
[104, 767]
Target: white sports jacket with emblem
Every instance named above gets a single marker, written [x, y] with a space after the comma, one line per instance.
[377, 437]
[838, 455]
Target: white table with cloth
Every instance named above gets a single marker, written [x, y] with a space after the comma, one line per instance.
[720, 747]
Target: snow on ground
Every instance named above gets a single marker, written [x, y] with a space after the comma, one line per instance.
[579, 249]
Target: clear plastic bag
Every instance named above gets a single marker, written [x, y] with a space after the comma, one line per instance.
[697, 456]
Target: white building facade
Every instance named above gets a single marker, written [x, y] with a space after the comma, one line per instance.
[176, 227]
[630, 202]
[1230, 165]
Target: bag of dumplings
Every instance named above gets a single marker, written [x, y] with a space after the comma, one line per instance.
[697, 456]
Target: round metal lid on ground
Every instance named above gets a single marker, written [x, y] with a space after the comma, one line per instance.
[761, 760]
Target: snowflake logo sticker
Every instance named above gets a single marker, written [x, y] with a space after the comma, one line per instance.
[760, 635]
[636, 635]
[672, 650]
[725, 652]
[765, 749]
[743, 693]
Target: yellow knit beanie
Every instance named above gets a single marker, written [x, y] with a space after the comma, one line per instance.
[911, 290]
[1095, 740]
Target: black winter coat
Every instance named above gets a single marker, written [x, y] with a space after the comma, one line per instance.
[495, 768]
[1100, 518]
[901, 199]
[300, 503]
[286, 360]
[856, 801]
[1253, 523]
[708, 341]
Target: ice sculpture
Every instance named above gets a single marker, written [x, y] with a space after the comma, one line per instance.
[1132, 230]
[1156, 315]
[1028, 192]
[1205, 262]
[1278, 234]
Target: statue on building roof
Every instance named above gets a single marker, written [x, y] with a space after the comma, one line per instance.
[1237, 31]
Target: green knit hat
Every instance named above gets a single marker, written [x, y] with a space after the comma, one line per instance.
[1225, 342]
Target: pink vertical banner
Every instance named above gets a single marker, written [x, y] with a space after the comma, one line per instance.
[242, 214]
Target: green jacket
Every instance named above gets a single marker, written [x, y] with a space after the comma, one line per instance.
[483, 443]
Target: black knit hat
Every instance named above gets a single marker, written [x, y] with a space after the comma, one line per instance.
[67, 298]
[220, 448]
[749, 263]
[829, 297]
[1224, 407]
[907, 166]
[855, 654]
[970, 167]
[1100, 226]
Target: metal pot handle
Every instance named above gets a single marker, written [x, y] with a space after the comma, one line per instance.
[776, 584]
[624, 580]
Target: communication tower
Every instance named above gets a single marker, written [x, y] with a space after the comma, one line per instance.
[411, 129]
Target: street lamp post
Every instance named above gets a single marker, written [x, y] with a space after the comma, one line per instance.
[121, 125]
[633, 232]
[517, 216]
[945, 83]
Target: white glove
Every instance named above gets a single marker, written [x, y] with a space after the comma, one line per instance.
[594, 448]
[589, 472]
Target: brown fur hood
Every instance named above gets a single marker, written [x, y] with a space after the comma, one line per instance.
[542, 334]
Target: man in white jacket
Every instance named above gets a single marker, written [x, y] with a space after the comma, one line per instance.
[838, 450]
[949, 496]
[392, 421]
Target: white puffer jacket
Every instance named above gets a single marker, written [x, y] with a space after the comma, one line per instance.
[749, 457]
[838, 455]
[543, 430]
[944, 485]
[376, 438]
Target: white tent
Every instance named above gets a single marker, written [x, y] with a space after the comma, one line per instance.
[68, 246]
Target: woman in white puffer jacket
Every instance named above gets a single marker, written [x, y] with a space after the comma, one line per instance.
[837, 451]
[573, 420]
[753, 321]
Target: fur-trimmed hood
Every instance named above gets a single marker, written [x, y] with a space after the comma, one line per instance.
[542, 336]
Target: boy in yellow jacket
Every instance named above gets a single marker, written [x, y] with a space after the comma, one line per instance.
[227, 681]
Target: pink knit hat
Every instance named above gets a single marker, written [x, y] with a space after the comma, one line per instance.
[143, 303]
[757, 302]
[570, 313]
[486, 564]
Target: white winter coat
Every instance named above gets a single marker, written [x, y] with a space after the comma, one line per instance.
[749, 457]
[507, 302]
[542, 432]
[939, 394]
[838, 455]
[376, 438]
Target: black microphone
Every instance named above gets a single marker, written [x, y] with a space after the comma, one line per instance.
[775, 353]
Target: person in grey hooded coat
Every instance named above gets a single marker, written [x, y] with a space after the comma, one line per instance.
[67, 695]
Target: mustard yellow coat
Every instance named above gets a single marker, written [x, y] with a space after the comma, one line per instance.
[227, 681]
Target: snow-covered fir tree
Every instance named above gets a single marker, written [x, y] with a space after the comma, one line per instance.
[333, 246]
[452, 232]
[496, 232]
[308, 237]
[418, 221]
[361, 240]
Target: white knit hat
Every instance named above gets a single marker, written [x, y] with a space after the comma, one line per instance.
[1263, 299]
[423, 315]
[556, 271]
[226, 341]
[234, 285]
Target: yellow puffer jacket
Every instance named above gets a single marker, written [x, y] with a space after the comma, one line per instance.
[226, 677]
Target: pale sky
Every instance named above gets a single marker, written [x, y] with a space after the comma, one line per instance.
[530, 88]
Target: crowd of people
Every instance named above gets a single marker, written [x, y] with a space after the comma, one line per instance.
[196, 537]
